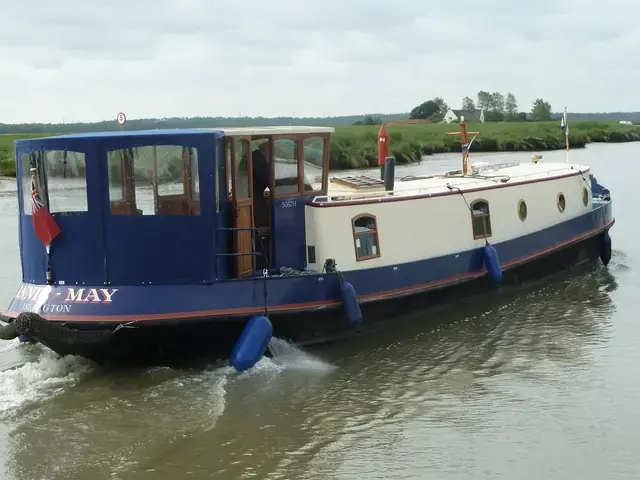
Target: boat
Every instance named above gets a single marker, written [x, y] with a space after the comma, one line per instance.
[167, 246]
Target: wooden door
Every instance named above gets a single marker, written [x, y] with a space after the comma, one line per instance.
[240, 166]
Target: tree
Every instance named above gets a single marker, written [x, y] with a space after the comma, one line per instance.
[511, 106]
[425, 110]
[442, 109]
[497, 104]
[484, 100]
[467, 104]
[541, 110]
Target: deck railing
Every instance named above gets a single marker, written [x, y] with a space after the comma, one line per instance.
[253, 252]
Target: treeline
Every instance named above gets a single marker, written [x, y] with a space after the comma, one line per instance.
[212, 122]
[187, 122]
[488, 107]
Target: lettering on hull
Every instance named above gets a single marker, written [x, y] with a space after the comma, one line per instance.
[90, 295]
[43, 299]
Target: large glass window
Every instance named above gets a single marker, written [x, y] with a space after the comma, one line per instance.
[312, 163]
[60, 179]
[286, 166]
[242, 169]
[154, 180]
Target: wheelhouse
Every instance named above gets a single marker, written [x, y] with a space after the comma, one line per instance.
[170, 207]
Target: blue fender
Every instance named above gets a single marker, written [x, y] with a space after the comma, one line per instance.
[350, 302]
[252, 343]
[493, 263]
[605, 248]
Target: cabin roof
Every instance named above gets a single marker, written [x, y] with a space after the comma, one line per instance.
[125, 134]
[217, 132]
[436, 184]
[275, 130]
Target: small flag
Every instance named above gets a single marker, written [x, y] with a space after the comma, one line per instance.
[44, 225]
[564, 125]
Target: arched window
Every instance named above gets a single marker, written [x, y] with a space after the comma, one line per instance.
[365, 237]
[480, 219]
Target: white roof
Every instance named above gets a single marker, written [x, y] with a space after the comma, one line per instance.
[434, 184]
[279, 130]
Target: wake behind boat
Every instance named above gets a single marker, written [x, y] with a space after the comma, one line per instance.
[166, 245]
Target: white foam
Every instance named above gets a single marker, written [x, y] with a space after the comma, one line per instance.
[42, 378]
[290, 357]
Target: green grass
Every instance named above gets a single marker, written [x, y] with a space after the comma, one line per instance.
[357, 146]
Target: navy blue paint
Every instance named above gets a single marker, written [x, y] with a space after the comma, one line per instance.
[244, 293]
[493, 263]
[350, 302]
[288, 233]
[77, 254]
[252, 343]
[164, 249]
[167, 249]
[597, 189]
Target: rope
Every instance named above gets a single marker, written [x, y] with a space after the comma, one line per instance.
[451, 187]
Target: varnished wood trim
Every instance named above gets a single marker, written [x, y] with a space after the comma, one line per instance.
[355, 236]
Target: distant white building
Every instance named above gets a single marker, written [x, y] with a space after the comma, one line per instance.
[473, 116]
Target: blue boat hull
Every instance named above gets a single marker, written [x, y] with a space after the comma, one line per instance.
[164, 324]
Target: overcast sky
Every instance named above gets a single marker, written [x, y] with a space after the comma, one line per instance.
[71, 60]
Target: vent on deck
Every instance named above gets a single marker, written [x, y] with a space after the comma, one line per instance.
[358, 181]
[311, 254]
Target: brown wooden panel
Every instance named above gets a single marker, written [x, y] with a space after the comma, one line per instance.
[242, 239]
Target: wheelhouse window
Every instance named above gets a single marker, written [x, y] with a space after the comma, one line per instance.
[313, 162]
[60, 179]
[285, 166]
[299, 164]
[480, 219]
[365, 237]
[154, 180]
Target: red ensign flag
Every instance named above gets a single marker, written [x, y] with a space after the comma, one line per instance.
[44, 225]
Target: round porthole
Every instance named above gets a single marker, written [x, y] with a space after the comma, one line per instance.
[562, 203]
[522, 210]
[585, 196]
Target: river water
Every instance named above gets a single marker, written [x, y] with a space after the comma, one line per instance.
[538, 384]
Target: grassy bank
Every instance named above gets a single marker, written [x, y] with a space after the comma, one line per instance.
[7, 157]
[356, 146]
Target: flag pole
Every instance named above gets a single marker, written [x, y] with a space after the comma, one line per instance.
[566, 136]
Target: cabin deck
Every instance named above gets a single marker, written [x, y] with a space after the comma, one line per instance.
[357, 187]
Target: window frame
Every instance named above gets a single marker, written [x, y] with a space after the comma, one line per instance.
[299, 138]
[482, 215]
[526, 210]
[564, 199]
[127, 156]
[42, 166]
[357, 235]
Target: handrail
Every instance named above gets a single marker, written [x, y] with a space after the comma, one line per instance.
[253, 245]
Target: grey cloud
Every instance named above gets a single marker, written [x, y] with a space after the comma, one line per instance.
[329, 56]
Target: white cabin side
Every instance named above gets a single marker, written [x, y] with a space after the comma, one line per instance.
[416, 229]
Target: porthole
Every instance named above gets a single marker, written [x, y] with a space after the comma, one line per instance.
[522, 210]
[562, 203]
[585, 196]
